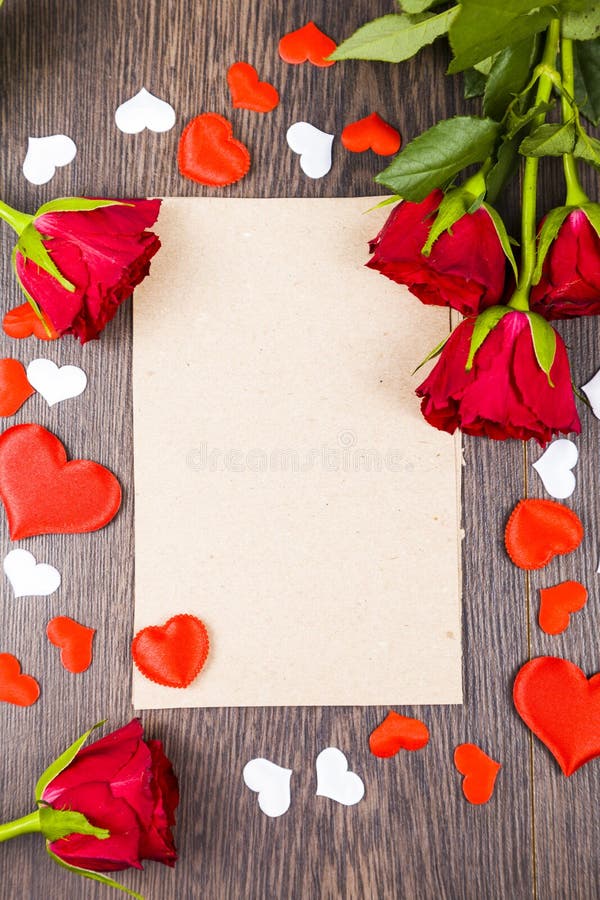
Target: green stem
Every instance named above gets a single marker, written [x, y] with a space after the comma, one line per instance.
[520, 299]
[576, 196]
[24, 825]
[18, 221]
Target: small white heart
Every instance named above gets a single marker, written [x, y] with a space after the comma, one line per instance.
[144, 110]
[335, 781]
[314, 147]
[54, 383]
[272, 784]
[592, 391]
[45, 154]
[28, 577]
[554, 468]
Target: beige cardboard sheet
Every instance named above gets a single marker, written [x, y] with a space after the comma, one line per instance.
[287, 491]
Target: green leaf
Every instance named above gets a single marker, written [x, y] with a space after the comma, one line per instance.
[453, 207]
[592, 211]
[503, 235]
[387, 201]
[95, 876]
[587, 78]
[437, 155]
[418, 6]
[550, 140]
[474, 84]
[61, 763]
[508, 76]
[588, 149]
[394, 38]
[485, 27]
[517, 121]
[544, 343]
[506, 165]
[582, 25]
[484, 323]
[549, 230]
[30, 244]
[60, 823]
[76, 204]
[432, 354]
[30, 299]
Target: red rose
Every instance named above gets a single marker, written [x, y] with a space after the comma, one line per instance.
[570, 281]
[126, 785]
[466, 268]
[103, 253]
[505, 394]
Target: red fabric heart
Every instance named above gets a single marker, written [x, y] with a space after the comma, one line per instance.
[75, 641]
[21, 690]
[396, 733]
[480, 772]
[14, 387]
[562, 708]
[557, 603]
[174, 653]
[247, 92]
[538, 530]
[45, 494]
[371, 133]
[209, 153]
[307, 43]
[21, 322]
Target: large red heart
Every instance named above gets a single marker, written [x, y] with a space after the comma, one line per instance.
[397, 733]
[209, 153]
[22, 690]
[562, 707]
[174, 653]
[307, 43]
[45, 494]
[538, 530]
[247, 92]
[75, 642]
[22, 321]
[371, 133]
[14, 386]
[480, 772]
[557, 603]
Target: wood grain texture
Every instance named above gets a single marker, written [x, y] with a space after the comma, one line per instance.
[65, 65]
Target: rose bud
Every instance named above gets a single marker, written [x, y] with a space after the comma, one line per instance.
[77, 259]
[465, 267]
[107, 806]
[505, 393]
[568, 281]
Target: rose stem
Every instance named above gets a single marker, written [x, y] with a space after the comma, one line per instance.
[17, 827]
[576, 196]
[17, 220]
[520, 299]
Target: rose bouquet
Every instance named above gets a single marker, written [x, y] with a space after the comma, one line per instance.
[504, 371]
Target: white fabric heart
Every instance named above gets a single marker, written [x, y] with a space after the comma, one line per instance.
[591, 389]
[554, 468]
[144, 110]
[28, 577]
[272, 784]
[45, 154]
[314, 147]
[53, 383]
[335, 781]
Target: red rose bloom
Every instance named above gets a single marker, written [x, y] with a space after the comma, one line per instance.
[570, 282]
[466, 268]
[505, 394]
[126, 785]
[104, 253]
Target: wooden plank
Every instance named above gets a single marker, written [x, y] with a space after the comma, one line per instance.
[65, 66]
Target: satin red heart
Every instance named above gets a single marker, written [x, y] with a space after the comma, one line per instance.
[371, 133]
[307, 44]
[14, 386]
[557, 603]
[75, 642]
[247, 92]
[16, 688]
[480, 772]
[397, 733]
[539, 530]
[209, 154]
[172, 654]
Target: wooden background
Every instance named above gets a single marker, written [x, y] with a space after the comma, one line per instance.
[65, 65]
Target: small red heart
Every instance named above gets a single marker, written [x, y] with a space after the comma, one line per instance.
[307, 43]
[21, 322]
[562, 707]
[45, 494]
[557, 603]
[480, 772]
[247, 92]
[75, 641]
[371, 133]
[14, 387]
[539, 530]
[22, 690]
[396, 733]
[174, 653]
[209, 153]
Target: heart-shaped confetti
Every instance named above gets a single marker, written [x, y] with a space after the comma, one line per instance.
[144, 110]
[397, 733]
[209, 153]
[479, 770]
[28, 577]
[75, 642]
[247, 92]
[371, 133]
[45, 155]
[272, 784]
[313, 146]
[307, 44]
[172, 654]
[557, 603]
[555, 468]
[335, 781]
[43, 493]
[14, 386]
[539, 530]
[562, 708]
[22, 322]
[55, 383]
[21, 690]
[592, 391]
